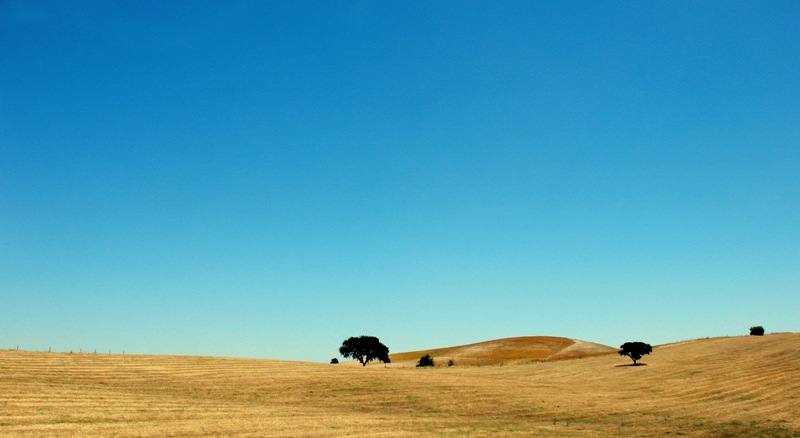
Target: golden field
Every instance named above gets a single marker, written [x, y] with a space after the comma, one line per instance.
[507, 351]
[739, 386]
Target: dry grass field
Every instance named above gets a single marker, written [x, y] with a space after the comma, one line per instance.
[740, 386]
[507, 351]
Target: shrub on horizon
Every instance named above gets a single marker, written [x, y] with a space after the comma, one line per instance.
[334, 361]
[757, 331]
[425, 361]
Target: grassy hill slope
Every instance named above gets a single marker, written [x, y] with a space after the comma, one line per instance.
[742, 386]
[508, 350]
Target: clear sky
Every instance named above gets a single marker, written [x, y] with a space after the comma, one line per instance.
[267, 178]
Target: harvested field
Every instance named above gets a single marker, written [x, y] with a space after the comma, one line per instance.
[741, 386]
[508, 350]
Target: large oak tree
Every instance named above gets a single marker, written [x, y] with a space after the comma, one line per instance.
[635, 350]
[365, 349]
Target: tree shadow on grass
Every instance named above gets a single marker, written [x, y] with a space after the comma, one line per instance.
[631, 365]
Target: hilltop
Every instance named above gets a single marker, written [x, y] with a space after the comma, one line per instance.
[737, 386]
[508, 350]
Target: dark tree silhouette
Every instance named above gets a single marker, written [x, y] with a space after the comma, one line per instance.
[757, 331]
[365, 349]
[635, 350]
[450, 363]
[334, 361]
[425, 361]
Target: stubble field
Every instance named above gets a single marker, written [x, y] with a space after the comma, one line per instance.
[740, 386]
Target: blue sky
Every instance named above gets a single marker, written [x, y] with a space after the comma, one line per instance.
[267, 178]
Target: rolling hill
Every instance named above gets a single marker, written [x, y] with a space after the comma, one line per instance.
[738, 386]
[508, 350]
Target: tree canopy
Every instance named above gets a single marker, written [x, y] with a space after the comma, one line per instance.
[757, 331]
[635, 350]
[365, 349]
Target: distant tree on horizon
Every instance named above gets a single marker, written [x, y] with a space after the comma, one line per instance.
[757, 330]
[334, 361]
[425, 361]
[365, 349]
[635, 350]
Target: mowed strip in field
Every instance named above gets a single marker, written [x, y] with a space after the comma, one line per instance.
[742, 386]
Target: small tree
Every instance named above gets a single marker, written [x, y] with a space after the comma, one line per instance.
[757, 331]
[425, 361]
[635, 350]
[334, 361]
[365, 349]
[450, 363]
